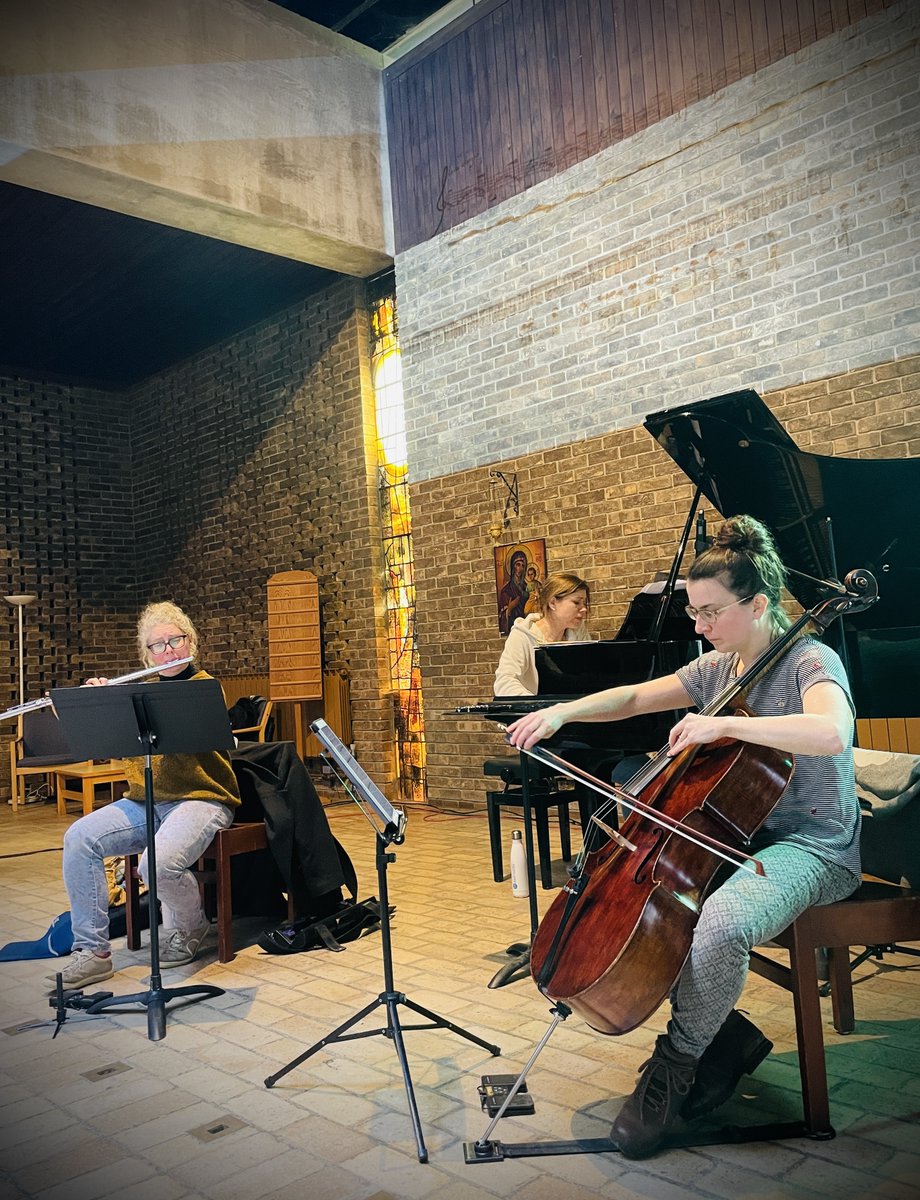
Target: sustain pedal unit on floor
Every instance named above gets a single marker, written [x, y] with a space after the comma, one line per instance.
[493, 1092]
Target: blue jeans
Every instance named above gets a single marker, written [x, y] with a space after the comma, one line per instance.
[184, 829]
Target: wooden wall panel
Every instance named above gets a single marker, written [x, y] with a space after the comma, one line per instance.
[515, 91]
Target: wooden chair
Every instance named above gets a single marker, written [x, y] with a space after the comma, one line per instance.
[875, 914]
[40, 748]
[260, 729]
[212, 870]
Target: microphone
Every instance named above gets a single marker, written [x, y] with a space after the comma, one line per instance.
[701, 542]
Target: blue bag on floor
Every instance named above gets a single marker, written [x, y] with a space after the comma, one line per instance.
[57, 941]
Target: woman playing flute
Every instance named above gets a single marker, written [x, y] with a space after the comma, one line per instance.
[195, 796]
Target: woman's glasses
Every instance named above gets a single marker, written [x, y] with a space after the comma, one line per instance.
[174, 643]
[710, 615]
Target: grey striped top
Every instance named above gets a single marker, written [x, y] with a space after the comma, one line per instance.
[819, 808]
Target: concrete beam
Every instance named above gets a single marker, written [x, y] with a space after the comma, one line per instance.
[230, 118]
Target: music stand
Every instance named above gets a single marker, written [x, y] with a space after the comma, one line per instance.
[185, 717]
[389, 825]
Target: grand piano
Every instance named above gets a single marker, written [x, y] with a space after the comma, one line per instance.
[829, 515]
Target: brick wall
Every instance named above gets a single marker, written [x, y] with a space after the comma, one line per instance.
[253, 459]
[248, 459]
[762, 237]
[611, 509]
[765, 237]
[66, 529]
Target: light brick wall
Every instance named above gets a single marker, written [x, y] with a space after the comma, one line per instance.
[766, 237]
[763, 237]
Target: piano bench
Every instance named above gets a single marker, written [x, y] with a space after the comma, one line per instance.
[874, 914]
[507, 769]
[540, 804]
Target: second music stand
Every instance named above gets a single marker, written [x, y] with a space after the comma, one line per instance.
[179, 717]
[389, 828]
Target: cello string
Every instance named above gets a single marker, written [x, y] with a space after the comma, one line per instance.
[635, 805]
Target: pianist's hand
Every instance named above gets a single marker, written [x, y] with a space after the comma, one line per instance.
[534, 727]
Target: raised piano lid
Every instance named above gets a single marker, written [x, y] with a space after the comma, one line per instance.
[745, 462]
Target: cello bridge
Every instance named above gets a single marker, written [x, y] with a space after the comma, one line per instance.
[614, 834]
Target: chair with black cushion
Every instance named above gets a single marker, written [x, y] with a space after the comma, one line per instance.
[251, 719]
[40, 748]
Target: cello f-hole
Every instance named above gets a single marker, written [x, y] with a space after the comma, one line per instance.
[657, 839]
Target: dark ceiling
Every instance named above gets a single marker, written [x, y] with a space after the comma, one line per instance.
[376, 23]
[96, 297]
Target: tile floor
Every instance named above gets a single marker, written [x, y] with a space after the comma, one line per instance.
[101, 1111]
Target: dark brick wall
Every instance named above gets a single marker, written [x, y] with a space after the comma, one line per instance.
[198, 485]
[66, 531]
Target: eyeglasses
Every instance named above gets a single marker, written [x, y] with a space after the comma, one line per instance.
[174, 643]
[710, 615]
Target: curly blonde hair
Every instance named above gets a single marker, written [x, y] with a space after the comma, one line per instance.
[164, 612]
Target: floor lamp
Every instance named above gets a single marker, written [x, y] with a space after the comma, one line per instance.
[20, 602]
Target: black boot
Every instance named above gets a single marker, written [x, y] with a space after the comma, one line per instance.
[653, 1110]
[737, 1049]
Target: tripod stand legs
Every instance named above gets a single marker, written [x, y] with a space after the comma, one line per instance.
[394, 1030]
[389, 999]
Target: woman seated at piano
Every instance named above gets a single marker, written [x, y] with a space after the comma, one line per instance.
[808, 845]
[563, 608]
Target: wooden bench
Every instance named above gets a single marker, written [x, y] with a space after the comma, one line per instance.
[86, 775]
[876, 914]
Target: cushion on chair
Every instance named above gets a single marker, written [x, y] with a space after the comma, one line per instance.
[43, 740]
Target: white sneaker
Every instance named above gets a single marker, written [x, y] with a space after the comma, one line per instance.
[180, 946]
[84, 968]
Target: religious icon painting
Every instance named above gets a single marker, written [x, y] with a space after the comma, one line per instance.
[520, 569]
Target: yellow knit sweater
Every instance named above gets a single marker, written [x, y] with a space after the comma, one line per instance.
[206, 776]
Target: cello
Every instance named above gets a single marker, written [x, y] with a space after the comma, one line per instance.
[615, 939]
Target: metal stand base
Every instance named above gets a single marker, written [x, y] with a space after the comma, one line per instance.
[155, 1001]
[518, 968]
[485, 1152]
[391, 1000]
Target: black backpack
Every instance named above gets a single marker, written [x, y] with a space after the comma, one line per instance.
[346, 921]
[349, 922]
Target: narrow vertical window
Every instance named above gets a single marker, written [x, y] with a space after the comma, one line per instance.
[396, 533]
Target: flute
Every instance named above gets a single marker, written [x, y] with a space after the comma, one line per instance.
[45, 701]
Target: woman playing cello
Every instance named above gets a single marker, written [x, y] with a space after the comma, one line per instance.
[808, 847]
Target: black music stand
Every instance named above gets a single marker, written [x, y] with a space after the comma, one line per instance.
[388, 824]
[178, 717]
